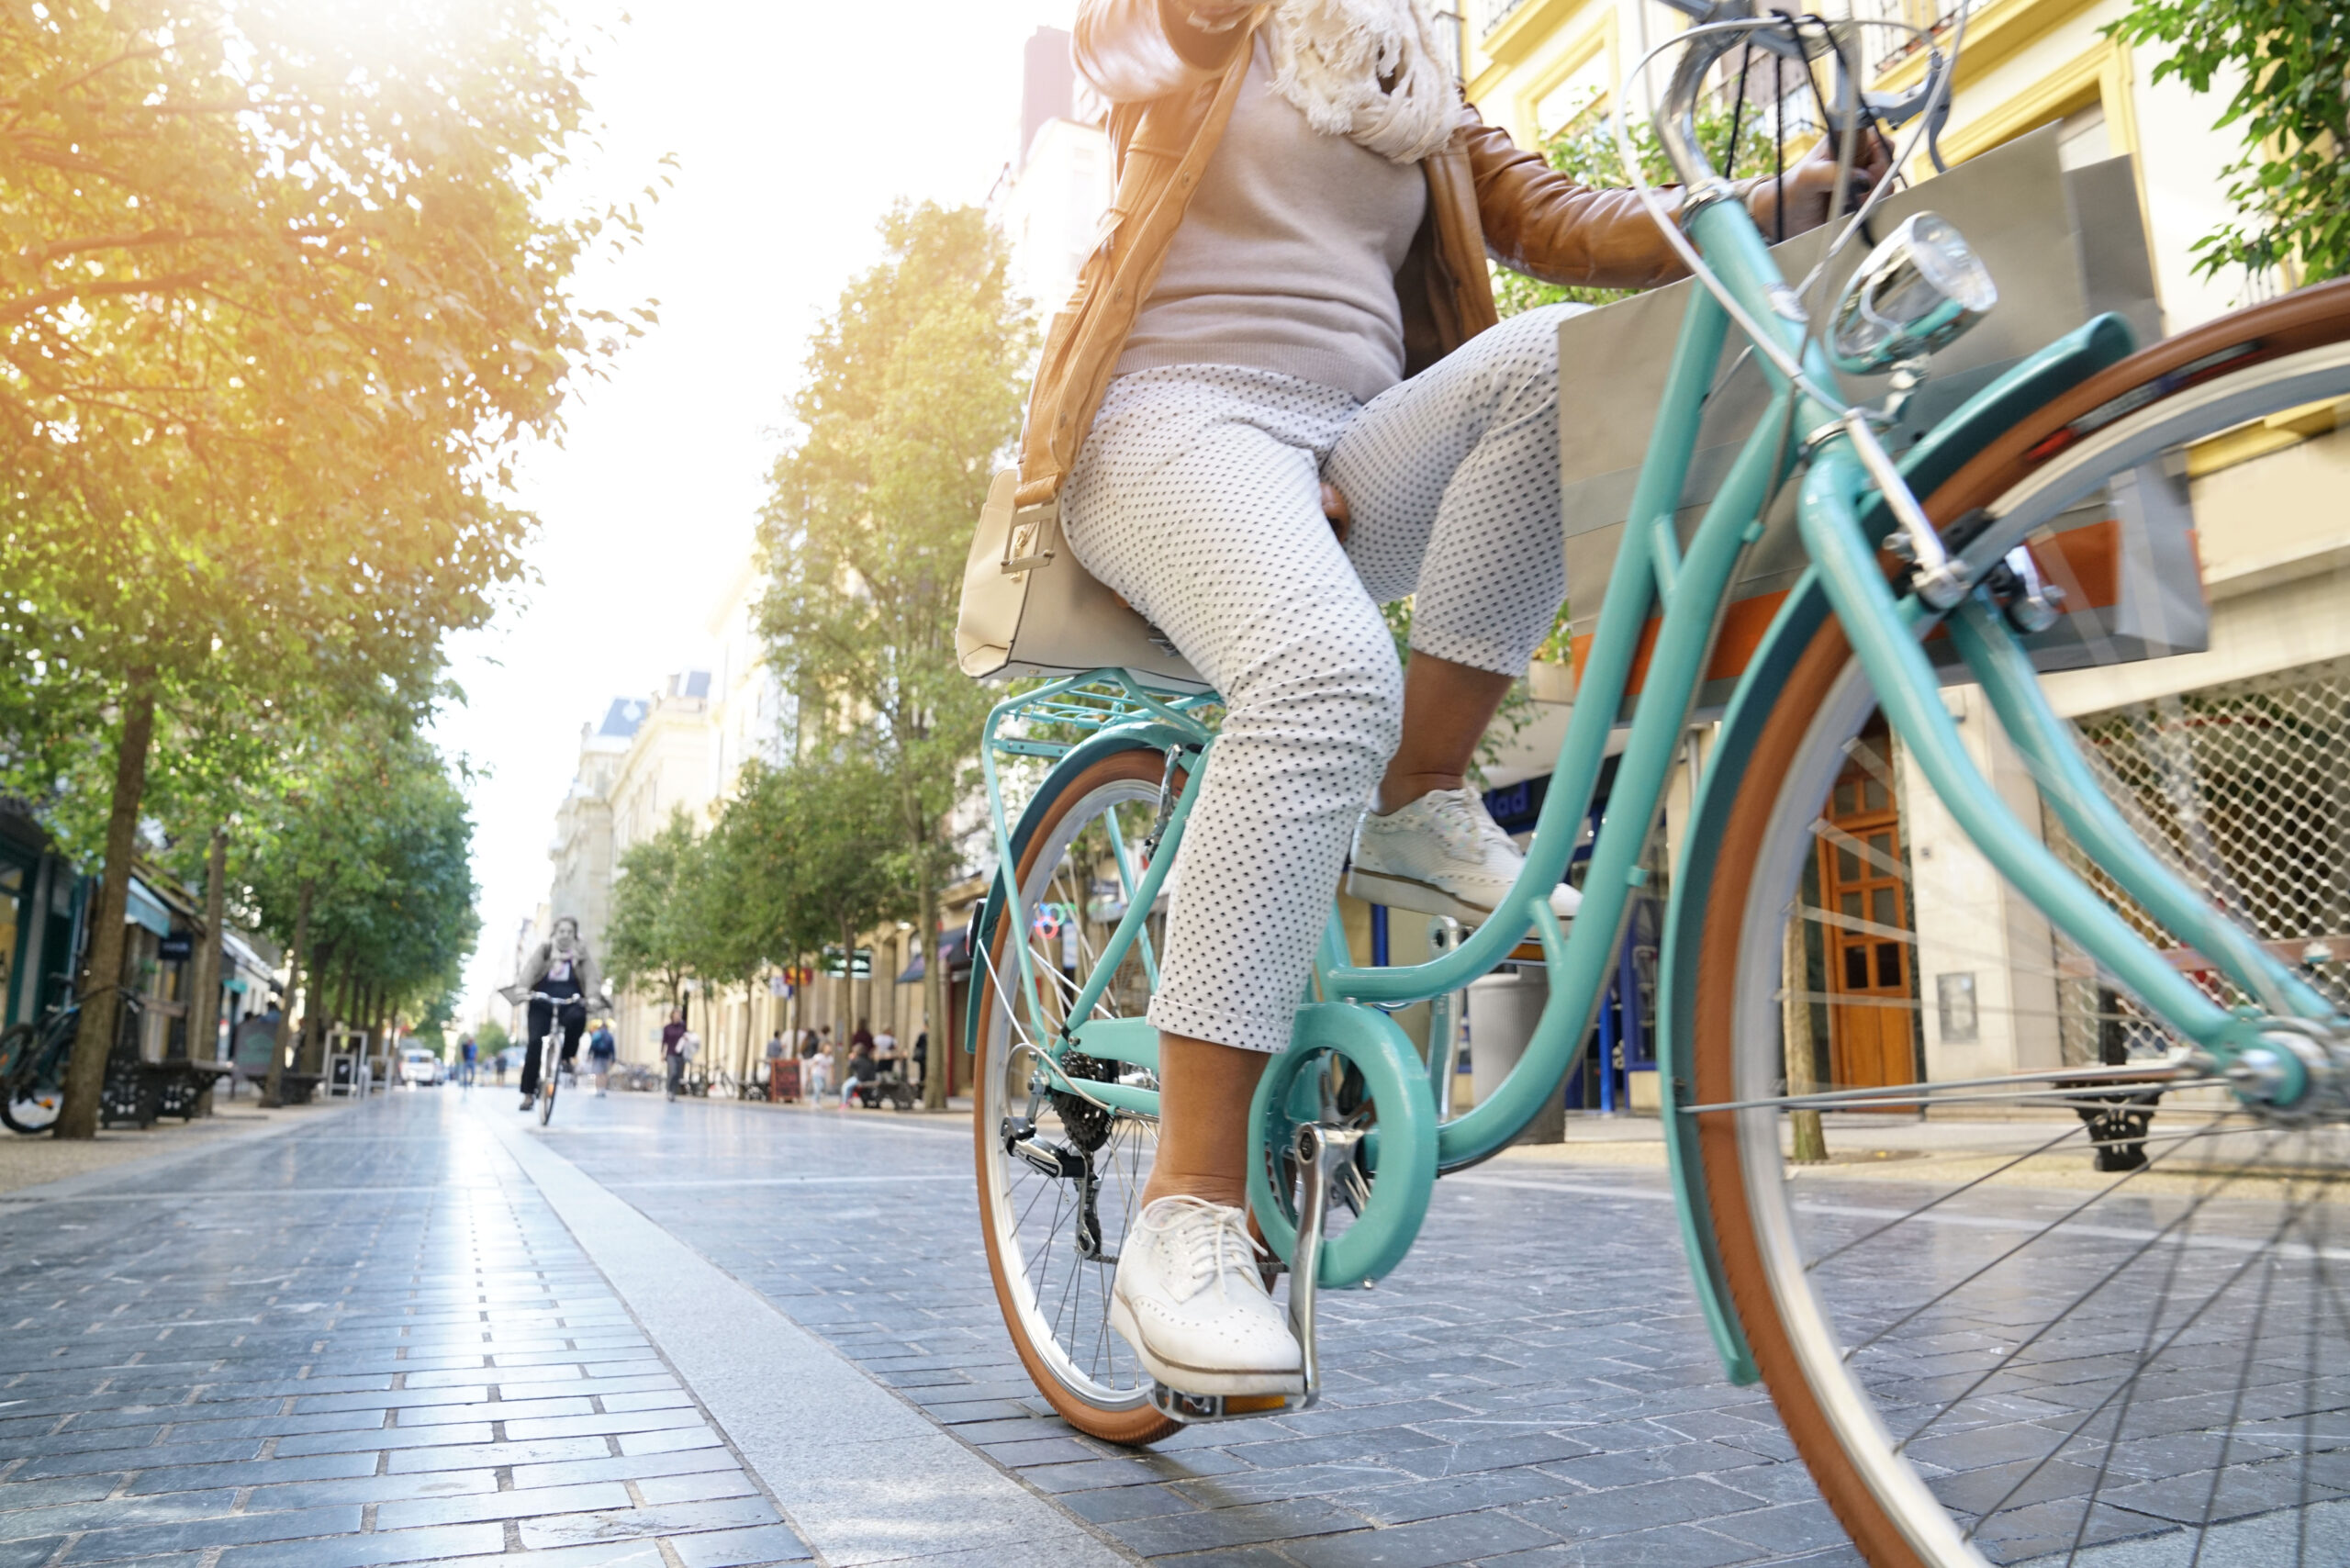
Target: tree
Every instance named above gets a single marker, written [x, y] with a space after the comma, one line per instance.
[2291, 61]
[280, 297]
[913, 392]
[650, 938]
[1586, 151]
[363, 861]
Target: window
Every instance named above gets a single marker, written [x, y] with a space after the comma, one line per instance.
[1587, 96]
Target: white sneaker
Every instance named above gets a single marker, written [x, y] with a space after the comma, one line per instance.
[1189, 1299]
[1441, 855]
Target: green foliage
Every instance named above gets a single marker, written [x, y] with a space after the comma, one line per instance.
[650, 939]
[1586, 152]
[2291, 59]
[801, 859]
[913, 394]
[375, 824]
[282, 291]
[490, 1039]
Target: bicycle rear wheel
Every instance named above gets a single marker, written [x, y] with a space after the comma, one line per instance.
[2079, 1313]
[1060, 1177]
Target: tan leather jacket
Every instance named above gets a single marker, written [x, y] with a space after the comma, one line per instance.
[1172, 96]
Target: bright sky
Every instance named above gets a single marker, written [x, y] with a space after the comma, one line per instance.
[795, 126]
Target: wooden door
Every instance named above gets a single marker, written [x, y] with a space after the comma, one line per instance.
[1871, 1018]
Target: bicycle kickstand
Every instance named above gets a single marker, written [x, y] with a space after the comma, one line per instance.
[1323, 1155]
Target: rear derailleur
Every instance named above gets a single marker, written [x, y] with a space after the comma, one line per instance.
[1059, 1162]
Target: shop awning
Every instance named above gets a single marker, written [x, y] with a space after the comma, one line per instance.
[147, 910]
[958, 957]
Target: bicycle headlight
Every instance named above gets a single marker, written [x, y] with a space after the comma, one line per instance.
[1919, 289]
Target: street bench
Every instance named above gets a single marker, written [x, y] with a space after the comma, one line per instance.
[138, 1092]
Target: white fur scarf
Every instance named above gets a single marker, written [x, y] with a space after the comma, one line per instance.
[1330, 56]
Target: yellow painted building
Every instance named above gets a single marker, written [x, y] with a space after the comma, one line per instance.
[2272, 539]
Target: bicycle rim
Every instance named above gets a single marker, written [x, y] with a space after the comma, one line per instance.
[1052, 1240]
[2066, 1321]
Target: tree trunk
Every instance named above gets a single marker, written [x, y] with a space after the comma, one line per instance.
[85, 1078]
[934, 989]
[203, 997]
[317, 1004]
[1795, 1012]
[273, 1093]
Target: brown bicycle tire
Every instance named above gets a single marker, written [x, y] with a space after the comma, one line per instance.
[2310, 317]
[1142, 1423]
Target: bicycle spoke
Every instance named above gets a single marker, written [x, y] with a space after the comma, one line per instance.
[2042, 1234]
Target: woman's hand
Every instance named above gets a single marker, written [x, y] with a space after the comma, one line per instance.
[1811, 184]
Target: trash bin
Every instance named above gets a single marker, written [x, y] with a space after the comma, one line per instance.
[1502, 1009]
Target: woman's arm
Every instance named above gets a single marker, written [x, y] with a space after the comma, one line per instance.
[1539, 222]
[1133, 50]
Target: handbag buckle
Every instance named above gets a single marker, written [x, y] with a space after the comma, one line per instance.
[1033, 539]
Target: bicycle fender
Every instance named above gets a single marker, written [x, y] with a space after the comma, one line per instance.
[1799, 618]
[1146, 734]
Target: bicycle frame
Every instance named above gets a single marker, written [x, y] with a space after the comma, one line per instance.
[1688, 583]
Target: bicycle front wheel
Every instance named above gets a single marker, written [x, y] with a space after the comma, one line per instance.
[1061, 1178]
[31, 1090]
[546, 1095]
[2052, 1307]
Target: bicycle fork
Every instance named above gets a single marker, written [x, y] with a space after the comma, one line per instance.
[1324, 1155]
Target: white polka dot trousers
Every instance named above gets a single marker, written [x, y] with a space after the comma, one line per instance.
[1197, 497]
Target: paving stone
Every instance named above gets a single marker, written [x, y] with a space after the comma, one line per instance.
[188, 1535]
[682, 1519]
[739, 1548]
[357, 1551]
[1427, 1544]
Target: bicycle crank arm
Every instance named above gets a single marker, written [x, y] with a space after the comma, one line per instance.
[1324, 1158]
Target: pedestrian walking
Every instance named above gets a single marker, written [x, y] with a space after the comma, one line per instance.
[921, 1059]
[601, 1049]
[816, 1067]
[673, 1050]
[468, 1054]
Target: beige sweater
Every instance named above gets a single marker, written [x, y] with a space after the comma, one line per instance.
[1286, 260]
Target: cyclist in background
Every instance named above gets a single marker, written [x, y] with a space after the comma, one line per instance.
[559, 967]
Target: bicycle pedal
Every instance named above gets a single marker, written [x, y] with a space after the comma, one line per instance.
[1193, 1409]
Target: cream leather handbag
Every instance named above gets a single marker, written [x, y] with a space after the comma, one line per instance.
[1030, 609]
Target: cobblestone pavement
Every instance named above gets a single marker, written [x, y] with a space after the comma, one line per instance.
[1533, 1386]
[363, 1342]
[377, 1338]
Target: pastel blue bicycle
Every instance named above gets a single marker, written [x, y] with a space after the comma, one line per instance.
[2066, 1357]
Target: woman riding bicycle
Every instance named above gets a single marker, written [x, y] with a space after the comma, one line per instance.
[561, 967]
[1311, 409]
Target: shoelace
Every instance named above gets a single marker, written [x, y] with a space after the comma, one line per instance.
[1465, 828]
[1202, 1231]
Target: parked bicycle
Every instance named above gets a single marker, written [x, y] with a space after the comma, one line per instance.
[2183, 1305]
[34, 1057]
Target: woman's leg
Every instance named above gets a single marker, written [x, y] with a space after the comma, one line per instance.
[1198, 498]
[1452, 482]
[1203, 1095]
[538, 1021]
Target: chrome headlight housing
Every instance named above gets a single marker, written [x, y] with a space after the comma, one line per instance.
[1919, 289]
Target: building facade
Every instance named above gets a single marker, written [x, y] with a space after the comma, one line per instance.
[1973, 980]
